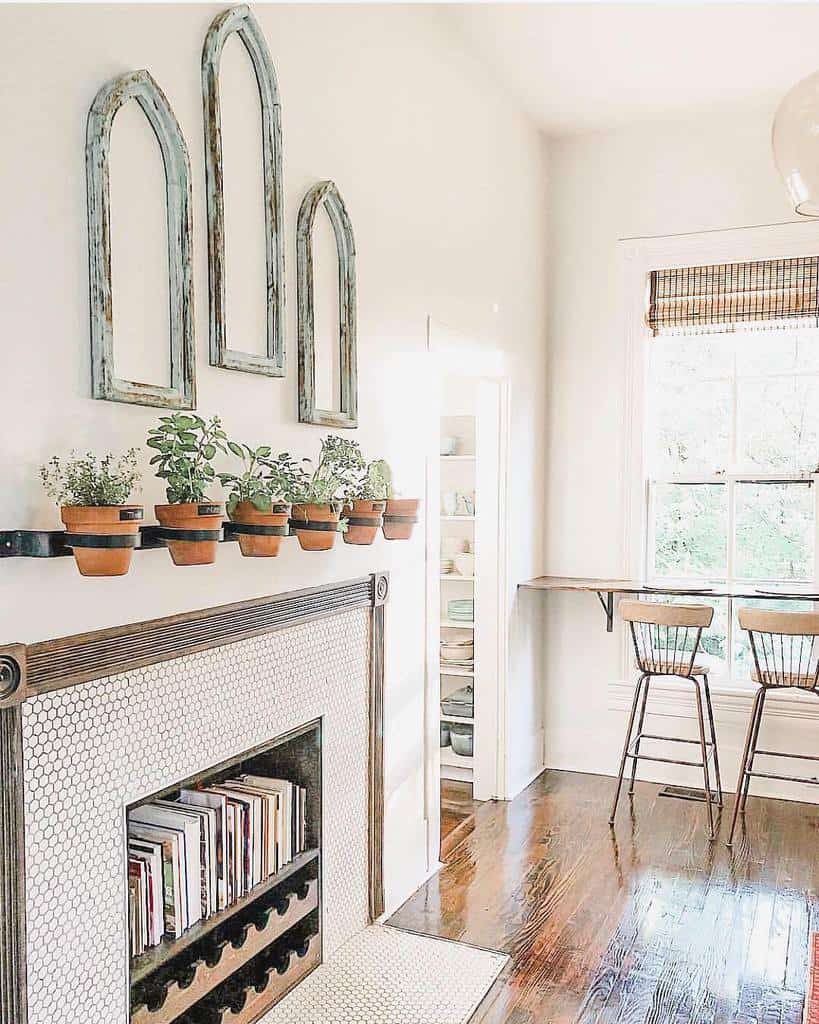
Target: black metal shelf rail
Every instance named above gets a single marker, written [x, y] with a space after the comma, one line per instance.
[55, 544]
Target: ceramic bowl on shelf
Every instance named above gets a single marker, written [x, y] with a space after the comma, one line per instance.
[461, 738]
[462, 651]
[448, 445]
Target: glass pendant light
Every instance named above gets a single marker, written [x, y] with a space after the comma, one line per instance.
[796, 145]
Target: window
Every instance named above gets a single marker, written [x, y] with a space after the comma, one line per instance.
[731, 447]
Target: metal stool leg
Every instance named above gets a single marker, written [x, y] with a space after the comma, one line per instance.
[704, 749]
[753, 727]
[640, 722]
[626, 745]
[710, 710]
[752, 754]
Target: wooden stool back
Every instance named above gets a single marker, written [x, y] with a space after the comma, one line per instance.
[666, 637]
[785, 647]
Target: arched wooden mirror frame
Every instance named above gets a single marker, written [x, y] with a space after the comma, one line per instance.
[241, 21]
[140, 86]
[327, 195]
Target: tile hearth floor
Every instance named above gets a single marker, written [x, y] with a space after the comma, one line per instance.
[387, 976]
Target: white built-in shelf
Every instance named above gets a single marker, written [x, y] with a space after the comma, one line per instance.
[457, 624]
[457, 719]
[449, 757]
[457, 458]
[456, 576]
[457, 519]
[456, 670]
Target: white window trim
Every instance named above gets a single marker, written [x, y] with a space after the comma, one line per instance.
[638, 257]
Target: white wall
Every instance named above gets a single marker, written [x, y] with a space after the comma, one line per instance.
[652, 179]
[445, 184]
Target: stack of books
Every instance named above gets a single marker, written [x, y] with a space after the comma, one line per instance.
[194, 856]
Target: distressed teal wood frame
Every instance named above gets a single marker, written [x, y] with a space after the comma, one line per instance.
[140, 86]
[327, 195]
[241, 21]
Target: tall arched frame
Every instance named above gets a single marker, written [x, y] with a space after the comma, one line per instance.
[181, 394]
[241, 21]
[325, 193]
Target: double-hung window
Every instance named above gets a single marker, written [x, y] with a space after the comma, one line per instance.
[732, 436]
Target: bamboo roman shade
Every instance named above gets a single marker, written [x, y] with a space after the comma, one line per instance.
[766, 293]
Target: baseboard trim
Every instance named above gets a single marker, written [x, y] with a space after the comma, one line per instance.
[675, 699]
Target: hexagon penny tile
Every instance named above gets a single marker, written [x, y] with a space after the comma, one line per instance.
[386, 976]
[92, 749]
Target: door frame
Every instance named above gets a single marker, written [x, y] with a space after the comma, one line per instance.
[452, 353]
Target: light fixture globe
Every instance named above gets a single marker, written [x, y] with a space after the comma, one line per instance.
[796, 145]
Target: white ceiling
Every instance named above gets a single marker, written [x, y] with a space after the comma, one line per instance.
[589, 66]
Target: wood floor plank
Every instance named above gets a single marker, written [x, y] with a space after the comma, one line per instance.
[648, 923]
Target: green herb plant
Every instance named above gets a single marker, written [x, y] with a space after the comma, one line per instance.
[83, 480]
[186, 446]
[334, 477]
[264, 479]
[375, 483]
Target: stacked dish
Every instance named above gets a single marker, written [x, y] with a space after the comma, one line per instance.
[458, 652]
[462, 609]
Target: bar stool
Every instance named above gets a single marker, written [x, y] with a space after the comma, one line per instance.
[785, 646]
[666, 641]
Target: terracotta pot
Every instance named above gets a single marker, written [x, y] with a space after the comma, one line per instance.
[400, 516]
[102, 521]
[192, 516]
[364, 519]
[259, 545]
[316, 537]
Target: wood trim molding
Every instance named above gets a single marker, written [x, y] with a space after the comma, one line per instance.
[13, 989]
[55, 664]
[29, 670]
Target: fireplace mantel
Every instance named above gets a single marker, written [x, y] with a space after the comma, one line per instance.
[29, 671]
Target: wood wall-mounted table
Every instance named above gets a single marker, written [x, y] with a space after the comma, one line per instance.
[605, 589]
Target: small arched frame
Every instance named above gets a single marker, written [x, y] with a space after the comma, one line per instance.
[241, 21]
[140, 86]
[327, 195]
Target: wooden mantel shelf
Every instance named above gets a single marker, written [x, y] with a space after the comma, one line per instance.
[609, 587]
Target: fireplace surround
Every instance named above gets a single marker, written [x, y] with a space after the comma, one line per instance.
[89, 724]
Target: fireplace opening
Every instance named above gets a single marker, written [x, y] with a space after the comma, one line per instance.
[224, 886]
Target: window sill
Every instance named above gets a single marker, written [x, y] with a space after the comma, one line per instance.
[675, 698]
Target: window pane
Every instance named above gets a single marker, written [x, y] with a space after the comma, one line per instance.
[774, 531]
[743, 658]
[696, 357]
[692, 426]
[779, 423]
[690, 530]
[778, 351]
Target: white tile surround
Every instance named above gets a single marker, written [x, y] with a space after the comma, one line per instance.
[94, 748]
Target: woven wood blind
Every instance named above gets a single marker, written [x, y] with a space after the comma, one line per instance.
[763, 294]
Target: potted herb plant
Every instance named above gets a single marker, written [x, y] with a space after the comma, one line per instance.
[102, 530]
[185, 447]
[365, 505]
[401, 514]
[319, 496]
[258, 501]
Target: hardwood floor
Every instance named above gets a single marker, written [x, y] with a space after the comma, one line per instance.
[457, 815]
[648, 923]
